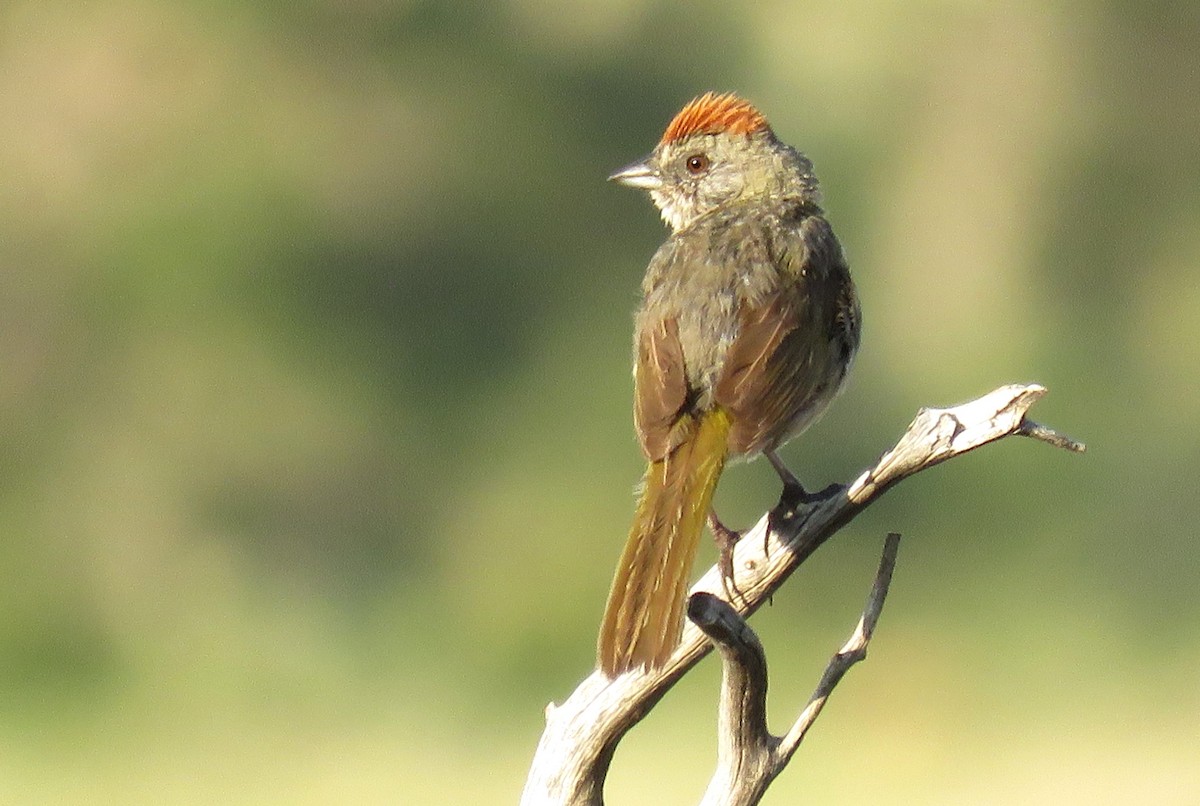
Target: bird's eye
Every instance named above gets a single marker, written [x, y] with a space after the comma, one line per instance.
[697, 164]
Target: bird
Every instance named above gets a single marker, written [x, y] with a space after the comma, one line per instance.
[747, 329]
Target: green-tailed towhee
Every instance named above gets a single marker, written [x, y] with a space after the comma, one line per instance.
[746, 332]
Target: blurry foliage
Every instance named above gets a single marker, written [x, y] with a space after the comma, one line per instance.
[315, 444]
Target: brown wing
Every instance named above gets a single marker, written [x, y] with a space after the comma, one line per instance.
[660, 389]
[794, 346]
[779, 372]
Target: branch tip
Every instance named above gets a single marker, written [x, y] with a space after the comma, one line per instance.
[1042, 433]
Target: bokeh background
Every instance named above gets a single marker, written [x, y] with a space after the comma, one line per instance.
[315, 439]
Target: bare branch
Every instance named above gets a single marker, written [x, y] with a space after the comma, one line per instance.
[749, 757]
[851, 653]
[581, 734]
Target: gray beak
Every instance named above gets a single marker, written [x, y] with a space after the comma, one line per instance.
[638, 175]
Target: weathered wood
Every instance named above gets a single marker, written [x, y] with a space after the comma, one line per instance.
[582, 733]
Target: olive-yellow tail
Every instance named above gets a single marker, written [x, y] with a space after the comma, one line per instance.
[644, 617]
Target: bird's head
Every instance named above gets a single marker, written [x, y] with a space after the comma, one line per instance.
[717, 151]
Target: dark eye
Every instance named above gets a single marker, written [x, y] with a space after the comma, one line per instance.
[697, 163]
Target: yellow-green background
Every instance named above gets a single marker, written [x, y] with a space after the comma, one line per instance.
[315, 440]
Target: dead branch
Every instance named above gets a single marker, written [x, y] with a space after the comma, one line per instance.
[582, 733]
[748, 755]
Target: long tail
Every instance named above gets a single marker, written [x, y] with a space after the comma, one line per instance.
[644, 617]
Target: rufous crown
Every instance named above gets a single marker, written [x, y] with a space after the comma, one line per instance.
[715, 114]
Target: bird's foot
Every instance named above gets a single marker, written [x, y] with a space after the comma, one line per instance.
[795, 502]
[726, 539]
[796, 496]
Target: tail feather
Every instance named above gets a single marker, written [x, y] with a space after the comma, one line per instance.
[644, 617]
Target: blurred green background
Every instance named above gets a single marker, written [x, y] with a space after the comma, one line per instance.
[315, 437]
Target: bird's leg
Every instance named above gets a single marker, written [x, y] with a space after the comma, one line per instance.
[794, 495]
[726, 539]
[793, 490]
